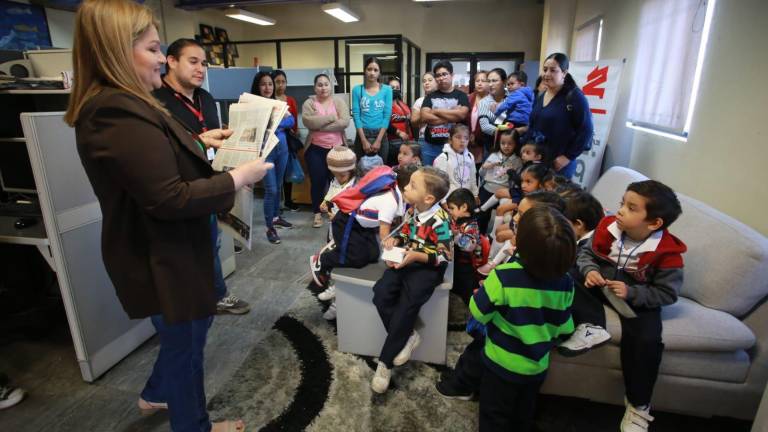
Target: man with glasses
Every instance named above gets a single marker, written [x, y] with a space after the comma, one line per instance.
[195, 108]
[440, 110]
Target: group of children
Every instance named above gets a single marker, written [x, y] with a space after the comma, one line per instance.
[538, 279]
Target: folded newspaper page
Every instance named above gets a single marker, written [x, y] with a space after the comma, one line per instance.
[239, 221]
[254, 120]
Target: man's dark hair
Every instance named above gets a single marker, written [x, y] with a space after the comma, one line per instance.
[442, 64]
[462, 196]
[404, 173]
[660, 201]
[545, 243]
[546, 197]
[175, 49]
[583, 206]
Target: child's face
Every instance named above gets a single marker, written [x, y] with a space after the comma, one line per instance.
[342, 177]
[405, 156]
[513, 84]
[457, 212]
[415, 192]
[550, 185]
[507, 145]
[528, 153]
[632, 217]
[524, 206]
[459, 141]
[529, 183]
[579, 228]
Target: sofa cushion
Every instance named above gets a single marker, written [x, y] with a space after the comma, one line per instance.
[730, 366]
[610, 187]
[689, 326]
[726, 267]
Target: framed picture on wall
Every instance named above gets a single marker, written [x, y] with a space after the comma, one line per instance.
[223, 36]
[206, 33]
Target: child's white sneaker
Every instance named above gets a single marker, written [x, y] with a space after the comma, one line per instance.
[380, 381]
[329, 292]
[635, 419]
[586, 337]
[405, 354]
[330, 314]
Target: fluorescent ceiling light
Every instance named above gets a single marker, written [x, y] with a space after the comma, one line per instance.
[340, 12]
[244, 15]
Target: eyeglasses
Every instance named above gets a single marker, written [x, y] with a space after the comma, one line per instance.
[442, 75]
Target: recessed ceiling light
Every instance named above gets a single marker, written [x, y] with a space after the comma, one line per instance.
[244, 15]
[340, 12]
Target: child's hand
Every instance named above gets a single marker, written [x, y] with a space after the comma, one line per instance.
[594, 278]
[389, 243]
[324, 207]
[408, 258]
[390, 264]
[618, 287]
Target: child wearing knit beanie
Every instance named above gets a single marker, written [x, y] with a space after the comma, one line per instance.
[341, 162]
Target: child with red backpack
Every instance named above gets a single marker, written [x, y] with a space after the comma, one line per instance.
[470, 247]
[365, 210]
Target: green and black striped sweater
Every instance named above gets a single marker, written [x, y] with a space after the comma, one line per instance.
[524, 317]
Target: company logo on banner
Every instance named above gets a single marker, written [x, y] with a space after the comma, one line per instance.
[600, 84]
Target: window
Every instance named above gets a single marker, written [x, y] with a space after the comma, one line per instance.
[588, 35]
[670, 53]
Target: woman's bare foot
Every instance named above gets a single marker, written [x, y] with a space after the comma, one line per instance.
[228, 426]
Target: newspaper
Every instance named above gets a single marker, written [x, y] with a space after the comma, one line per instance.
[254, 120]
[239, 221]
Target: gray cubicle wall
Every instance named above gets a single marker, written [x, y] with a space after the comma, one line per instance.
[102, 333]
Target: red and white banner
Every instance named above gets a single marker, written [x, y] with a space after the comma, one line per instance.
[599, 81]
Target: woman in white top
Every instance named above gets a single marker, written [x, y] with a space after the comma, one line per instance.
[429, 85]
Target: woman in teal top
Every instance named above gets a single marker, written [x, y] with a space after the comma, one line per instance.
[371, 110]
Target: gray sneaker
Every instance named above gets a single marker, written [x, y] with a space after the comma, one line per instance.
[232, 305]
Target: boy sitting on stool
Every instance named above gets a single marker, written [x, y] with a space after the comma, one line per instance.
[631, 256]
[406, 286]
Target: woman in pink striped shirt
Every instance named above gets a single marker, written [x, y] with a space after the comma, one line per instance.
[326, 117]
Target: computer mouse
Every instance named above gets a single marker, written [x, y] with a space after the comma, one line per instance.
[24, 222]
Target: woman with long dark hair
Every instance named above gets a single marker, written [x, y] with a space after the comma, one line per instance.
[264, 86]
[371, 110]
[326, 117]
[561, 115]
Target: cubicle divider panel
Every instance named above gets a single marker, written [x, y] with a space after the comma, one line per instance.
[101, 331]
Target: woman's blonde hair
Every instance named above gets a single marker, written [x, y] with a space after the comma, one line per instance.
[105, 32]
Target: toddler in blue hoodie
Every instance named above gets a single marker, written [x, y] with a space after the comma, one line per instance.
[516, 108]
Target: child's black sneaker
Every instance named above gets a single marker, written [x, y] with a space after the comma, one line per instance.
[450, 391]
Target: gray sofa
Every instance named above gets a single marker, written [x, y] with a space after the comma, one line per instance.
[715, 359]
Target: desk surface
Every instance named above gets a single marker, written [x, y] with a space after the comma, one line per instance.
[33, 235]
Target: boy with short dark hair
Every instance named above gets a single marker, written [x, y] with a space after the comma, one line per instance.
[466, 242]
[526, 306]
[631, 258]
[406, 285]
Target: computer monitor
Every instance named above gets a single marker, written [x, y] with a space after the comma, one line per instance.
[15, 168]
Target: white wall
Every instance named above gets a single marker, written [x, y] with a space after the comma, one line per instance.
[723, 161]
